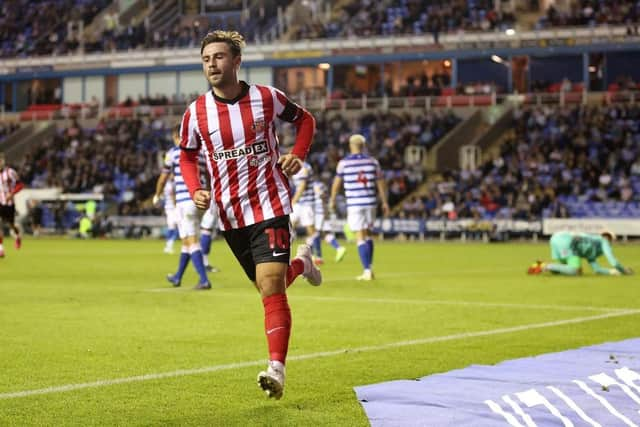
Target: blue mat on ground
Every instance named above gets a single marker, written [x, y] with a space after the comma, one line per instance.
[590, 386]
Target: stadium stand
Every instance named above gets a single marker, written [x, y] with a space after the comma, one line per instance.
[594, 13]
[560, 162]
[30, 28]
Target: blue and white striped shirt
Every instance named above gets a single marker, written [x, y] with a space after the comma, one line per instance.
[359, 173]
[305, 174]
[172, 165]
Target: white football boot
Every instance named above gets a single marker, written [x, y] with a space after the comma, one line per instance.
[367, 275]
[272, 380]
[311, 272]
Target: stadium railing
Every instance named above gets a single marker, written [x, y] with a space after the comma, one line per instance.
[363, 103]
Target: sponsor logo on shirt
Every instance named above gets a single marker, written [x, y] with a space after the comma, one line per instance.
[257, 148]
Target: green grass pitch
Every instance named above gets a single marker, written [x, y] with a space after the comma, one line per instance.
[100, 313]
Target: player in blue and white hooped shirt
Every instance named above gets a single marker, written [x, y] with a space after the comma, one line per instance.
[171, 212]
[189, 215]
[362, 176]
[302, 201]
[323, 225]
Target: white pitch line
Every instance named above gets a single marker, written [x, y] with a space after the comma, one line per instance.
[364, 349]
[294, 297]
[428, 274]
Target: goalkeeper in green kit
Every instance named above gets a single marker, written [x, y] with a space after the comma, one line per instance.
[568, 249]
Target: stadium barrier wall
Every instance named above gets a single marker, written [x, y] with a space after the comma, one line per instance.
[622, 227]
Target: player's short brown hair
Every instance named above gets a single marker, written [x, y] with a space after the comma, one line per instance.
[233, 39]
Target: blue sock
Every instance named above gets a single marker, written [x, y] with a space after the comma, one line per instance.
[182, 264]
[317, 245]
[334, 242]
[205, 243]
[198, 263]
[363, 251]
[370, 245]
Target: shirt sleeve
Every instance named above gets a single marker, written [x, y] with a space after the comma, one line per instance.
[285, 108]
[189, 134]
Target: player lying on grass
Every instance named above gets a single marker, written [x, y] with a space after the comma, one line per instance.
[569, 248]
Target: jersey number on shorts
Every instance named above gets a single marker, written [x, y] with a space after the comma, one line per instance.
[278, 237]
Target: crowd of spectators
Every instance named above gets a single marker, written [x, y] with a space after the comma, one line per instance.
[6, 129]
[559, 160]
[593, 13]
[388, 134]
[30, 28]
[366, 18]
[118, 158]
[53, 27]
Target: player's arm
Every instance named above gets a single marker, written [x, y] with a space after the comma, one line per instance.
[382, 191]
[190, 142]
[611, 259]
[160, 183]
[598, 269]
[305, 125]
[335, 187]
[381, 183]
[299, 190]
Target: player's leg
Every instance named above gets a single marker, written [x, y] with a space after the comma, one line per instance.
[370, 217]
[10, 218]
[357, 223]
[185, 256]
[572, 266]
[207, 234]
[172, 229]
[270, 247]
[569, 264]
[191, 223]
[1, 231]
[330, 238]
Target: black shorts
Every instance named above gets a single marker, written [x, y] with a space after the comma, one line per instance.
[266, 241]
[7, 214]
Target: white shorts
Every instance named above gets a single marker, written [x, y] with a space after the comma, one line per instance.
[361, 217]
[302, 215]
[210, 218]
[189, 223]
[172, 217]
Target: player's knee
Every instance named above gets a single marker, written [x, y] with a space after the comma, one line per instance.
[271, 282]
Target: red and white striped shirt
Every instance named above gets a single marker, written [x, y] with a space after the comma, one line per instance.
[238, 138]
[9, 184]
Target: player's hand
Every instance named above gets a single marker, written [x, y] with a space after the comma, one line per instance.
[290, 164]
[156, 199]
[614, 272]
[385, 209]
[202, 199]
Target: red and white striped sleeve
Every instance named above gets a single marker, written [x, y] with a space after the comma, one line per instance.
[189, 134]
[190, 142]
[304, 122]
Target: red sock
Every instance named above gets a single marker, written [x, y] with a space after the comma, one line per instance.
[277, 325]
[295, 269]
